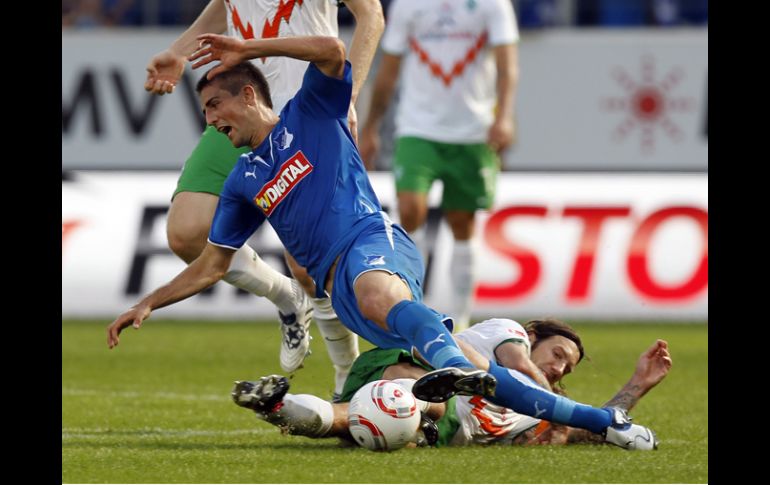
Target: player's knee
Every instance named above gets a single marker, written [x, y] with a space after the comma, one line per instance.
[462, 224]
[376, 305]
[377, 292]
[411, 220]
[373, 307]
[412, 213]
[186, 240]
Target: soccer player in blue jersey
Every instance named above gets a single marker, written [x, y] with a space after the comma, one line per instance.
[305, 176]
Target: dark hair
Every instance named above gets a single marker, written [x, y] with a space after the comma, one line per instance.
[235, 78]
[548, 327]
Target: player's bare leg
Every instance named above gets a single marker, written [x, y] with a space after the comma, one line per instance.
[189, 221]
[412, 213]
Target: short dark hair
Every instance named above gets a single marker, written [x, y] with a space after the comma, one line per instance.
[548, 327]
[235, 78]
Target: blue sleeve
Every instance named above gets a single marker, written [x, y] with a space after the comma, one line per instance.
[321, 96]
[235, 219]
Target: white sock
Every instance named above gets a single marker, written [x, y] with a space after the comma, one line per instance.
[322, 309]
[249, 272]
[341, 343]
[462, 276]
[419, 236]
[303, 415]
[407, 383]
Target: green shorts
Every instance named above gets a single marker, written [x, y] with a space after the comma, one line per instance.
[209, 164]
[370, 366]
[468, 171]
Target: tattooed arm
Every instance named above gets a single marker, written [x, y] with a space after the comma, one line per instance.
[653, 365]
[651, 368]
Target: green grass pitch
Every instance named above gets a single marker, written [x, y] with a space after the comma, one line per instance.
[157, 410]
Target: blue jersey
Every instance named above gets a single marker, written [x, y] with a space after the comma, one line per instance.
[306, 178]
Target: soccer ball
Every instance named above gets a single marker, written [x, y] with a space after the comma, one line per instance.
[383, 416]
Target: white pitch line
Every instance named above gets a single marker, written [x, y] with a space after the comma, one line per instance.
[134, 394]
[72, 433]
[675, 441]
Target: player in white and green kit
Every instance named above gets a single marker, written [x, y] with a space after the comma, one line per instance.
[458, 66]
[205, 171]
[554, 347]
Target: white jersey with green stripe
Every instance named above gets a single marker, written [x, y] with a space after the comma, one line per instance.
[269, 19]
[448, 69]
[482, 422]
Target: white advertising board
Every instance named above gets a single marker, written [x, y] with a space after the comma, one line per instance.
[598, 246]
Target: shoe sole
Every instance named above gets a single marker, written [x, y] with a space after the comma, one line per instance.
[262, 396]
[441, 385]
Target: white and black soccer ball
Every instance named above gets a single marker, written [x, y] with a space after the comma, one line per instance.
[383, 416]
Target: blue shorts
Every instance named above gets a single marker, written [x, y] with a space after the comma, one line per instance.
[383, 248]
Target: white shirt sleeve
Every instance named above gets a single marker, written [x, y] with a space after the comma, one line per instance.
[502, 23]
[395, 40]
[486, 336]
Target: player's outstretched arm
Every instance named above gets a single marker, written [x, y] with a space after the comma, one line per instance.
[501, 133]
[651, 368]
[327, 53]
[382, 93]
[166, 68]
[370, 23]
[206, 270]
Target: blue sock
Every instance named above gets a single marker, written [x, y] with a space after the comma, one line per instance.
[422, 327]
[518, 392]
